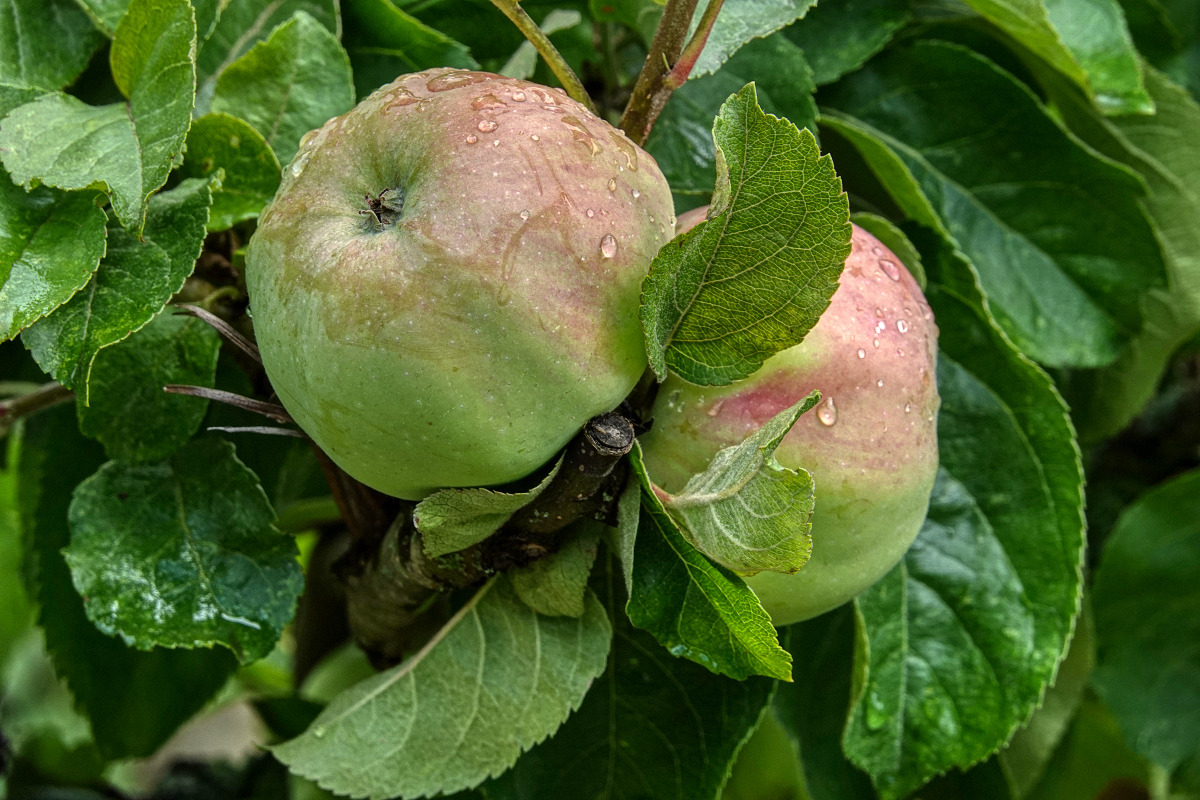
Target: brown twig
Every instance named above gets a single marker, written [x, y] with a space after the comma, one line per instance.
[222, 327]
[269, 410]
[43, 397]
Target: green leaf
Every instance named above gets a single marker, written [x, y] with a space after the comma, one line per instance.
[450, 520]
[1057, 234]
[1093, 757]
[893, 239]
[105, 13]
[128, 148]
[1025, 757]
[695, 608]
[50, 244]
[1165, 151]
[250, 170]
[135, 699]
[245, 23]
[129, 412]
[739, 22]
[182, 553]
[556, 585]
[497, 679]
[772, 249]
[962, 637]
[1085, 40]
[840, 37]
[289, 84]
[746, 511]
[16, 609]
[384, 42]
[13, 94]
[681, 140]
[44, 43]
[813, 707]
[133, 282]
[1147, 603]
[652, 726]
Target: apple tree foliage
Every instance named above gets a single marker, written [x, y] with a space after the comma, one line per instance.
[1037, 162]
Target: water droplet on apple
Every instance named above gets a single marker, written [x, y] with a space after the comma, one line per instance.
[862, 353]
[876, 342]
[879, 383]
[908, 408]
[612, 184]
[902, 325]
[636, 194]
[608, 246]
[455, 80]
[879, 312]
[890, 269]
[519, 96]
[486, 126]
[525, 214]
[472, 139]
[536, 138]
[827, 412]
[590, 213]
[716, 408]
[877, 250]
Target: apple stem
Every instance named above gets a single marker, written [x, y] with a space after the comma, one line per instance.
[541, 42]
[30, 402]
[227, 331]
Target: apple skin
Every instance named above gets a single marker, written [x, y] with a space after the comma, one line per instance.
[465, 341]
[873, 357]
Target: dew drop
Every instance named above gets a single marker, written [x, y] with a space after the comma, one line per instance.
[519, 96]
[926, 312]
[636, 194]
[908, 408]
[827, 412]
[716, 408]
[608, 246]
[495, 142]
[902, 325]
[536, 138]
[525, 214]
[319, 732]
[486, 126]
[590, 213]
[879, 383]
[890, 269]
[879, 312]
[454, 80]
[877, 250]
[862, 353]
[472, 139]
[876, 342]
[612, 184]
[880, 326]
[900, 351]
[235, 141]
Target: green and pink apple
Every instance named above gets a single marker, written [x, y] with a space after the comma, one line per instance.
[870, 445]
[446, 285]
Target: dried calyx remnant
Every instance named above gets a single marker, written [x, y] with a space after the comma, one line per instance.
[385, 207]
[394, 591]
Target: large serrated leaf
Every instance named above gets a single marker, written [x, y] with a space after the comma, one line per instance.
[135, 699]
[133, 282]
[741, 21]
[653, 726]
[1165, 151]
[777, 235]
[1056, 232]
[746, 511]
[50, 244]
[963, 636]
[128, 411]
[555, 585]
[1147, 603]
[497, 679]
[183, 553]
[128, 148]
[289, 84]
[44, 43]
[250, 170]
[696, 609]
[1085, 40]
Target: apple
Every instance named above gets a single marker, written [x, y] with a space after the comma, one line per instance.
[870, 445]
[445, 287]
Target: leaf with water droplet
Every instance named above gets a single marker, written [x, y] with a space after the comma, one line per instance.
[747, 511]
[754, 277]
[183, 553]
